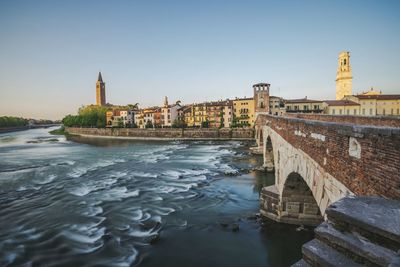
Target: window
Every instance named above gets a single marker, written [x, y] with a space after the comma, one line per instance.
[305, 108]
[391, 112]
[333, 111]
[355, 112]
[370, 111]
[384, 112]
[340, 111]
[344, 61]
[363, 111]
[348, 112]
[398, 111]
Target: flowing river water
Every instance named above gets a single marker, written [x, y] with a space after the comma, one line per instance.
[103, 202]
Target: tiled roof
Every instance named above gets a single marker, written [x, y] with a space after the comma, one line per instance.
[341, 103]
[379, 97]
[302, 100]
[261, 84]
[242, 99]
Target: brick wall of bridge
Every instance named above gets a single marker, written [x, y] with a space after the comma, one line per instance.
[366, 159]
[358, 120]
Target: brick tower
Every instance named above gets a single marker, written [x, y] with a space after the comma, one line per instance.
[100, 91]
[261, 97]
[344, 78]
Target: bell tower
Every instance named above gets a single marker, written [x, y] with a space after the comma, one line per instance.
[344, 78]
[261, 97]
[100, 91]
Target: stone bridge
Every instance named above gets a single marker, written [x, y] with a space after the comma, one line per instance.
[319, 159]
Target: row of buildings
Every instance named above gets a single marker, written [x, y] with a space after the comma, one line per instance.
[240, 112]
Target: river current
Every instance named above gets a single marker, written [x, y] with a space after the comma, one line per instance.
[103, 202]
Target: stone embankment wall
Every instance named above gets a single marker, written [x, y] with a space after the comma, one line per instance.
[163, 133]
[366, 159]
[359, 120]
[13, 129]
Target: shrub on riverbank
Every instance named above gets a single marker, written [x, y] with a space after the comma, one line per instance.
[59, 131]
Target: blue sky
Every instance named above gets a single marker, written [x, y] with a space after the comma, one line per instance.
[51, 51]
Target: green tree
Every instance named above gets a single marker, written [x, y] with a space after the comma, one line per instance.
[149, 124]
[133, 106]
[178, 124]
[205, 124]
[235, 122]
[7, 121]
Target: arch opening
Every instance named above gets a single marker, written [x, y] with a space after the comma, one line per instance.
[298, 205]
[269, 155]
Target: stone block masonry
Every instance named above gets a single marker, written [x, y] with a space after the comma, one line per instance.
[166, 134]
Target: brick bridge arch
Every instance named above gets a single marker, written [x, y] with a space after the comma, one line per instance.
[334, 160]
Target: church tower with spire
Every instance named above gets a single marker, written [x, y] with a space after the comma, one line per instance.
[100, 91]
[344, 78]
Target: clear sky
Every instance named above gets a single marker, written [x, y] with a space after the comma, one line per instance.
[51, 51]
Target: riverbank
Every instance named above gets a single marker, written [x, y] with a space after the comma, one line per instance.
[164, 134]
[23, 128]
[13, 129]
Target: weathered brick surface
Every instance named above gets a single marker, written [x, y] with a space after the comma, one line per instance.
[359, 120]
[376, 172]
[222, 134]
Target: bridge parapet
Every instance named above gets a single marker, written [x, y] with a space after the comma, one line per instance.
[358, 120]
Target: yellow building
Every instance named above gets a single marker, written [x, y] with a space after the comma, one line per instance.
[377, 104]
[185, 114]
[244, 111]
[276, 105]
[344, 78]
[341, 107]
[199, 113]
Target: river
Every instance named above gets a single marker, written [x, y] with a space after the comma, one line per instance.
[103, 202]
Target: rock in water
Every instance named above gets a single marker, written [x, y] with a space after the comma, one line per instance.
[235, 227]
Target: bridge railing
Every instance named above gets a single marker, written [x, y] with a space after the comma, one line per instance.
[391, 121]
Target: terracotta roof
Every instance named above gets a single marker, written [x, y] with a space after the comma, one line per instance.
[245, 98]
[215, 103]
[261, 84]
[379, 97]
[302, 100]
[341, 103]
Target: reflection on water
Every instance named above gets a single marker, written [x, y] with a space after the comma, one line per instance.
[104, 202]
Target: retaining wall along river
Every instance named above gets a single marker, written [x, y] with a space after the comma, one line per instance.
[163, 133]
